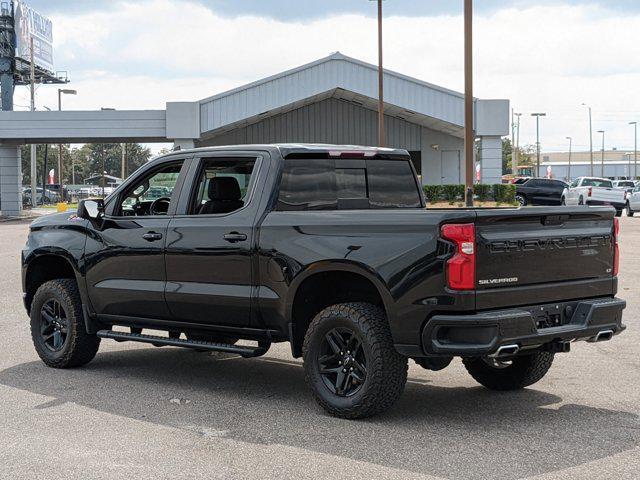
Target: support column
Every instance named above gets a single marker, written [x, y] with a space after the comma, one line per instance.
[491, 159]
[10, 178]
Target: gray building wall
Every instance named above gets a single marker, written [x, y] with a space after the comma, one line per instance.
[342, 122]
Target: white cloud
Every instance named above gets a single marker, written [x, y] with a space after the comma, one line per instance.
[549, 58]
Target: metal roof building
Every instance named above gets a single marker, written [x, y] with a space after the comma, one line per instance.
[331, 100]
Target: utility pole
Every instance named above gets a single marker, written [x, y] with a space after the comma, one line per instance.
[602, 166]
[468, 101]
[32, 87]
[538, 115]
[569, 170]
[590, 137]
[381, 139]
[104, 172]
[635, 149]
[515, 147]
[123, 163]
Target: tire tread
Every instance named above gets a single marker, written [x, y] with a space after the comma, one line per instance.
[83, 346]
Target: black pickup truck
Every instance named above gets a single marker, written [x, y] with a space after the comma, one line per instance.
[331, 249]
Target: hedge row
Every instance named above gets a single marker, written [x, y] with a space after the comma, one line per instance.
[501, 193]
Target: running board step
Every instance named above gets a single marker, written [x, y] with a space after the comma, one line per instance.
[243, 351]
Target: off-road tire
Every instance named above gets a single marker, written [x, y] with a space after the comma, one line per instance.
[79, 347]
[630, 212]
[386, 369]
[525, 370]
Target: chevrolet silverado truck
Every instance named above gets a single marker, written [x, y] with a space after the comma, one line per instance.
[331, 249]
[594, 191]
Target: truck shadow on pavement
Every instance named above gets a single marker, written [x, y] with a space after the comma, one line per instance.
[447, 432]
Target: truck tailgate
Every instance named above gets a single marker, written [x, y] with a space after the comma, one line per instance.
[608, 195]
[532, 255]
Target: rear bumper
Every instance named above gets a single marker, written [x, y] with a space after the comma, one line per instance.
[528, 327]
[617, 205]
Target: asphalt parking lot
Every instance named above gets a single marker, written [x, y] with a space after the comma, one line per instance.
[144, 412]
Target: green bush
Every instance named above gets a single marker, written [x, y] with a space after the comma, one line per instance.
[504, 193]
[483, 191]
[452, 192]
[500, 193]
[432, 193]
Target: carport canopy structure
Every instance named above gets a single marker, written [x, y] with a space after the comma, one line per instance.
[331, 100]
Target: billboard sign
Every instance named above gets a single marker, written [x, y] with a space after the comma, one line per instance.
[30, 24]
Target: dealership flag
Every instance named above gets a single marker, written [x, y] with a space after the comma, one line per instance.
[52, 177]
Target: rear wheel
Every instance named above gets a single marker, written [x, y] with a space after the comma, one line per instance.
[521, 199]
[513, 374]
[350, 362]
[57, 326]
[630, 212]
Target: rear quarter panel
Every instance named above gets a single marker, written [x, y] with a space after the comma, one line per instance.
[397, 250]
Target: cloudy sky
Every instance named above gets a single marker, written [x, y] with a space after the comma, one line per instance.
[543, 55]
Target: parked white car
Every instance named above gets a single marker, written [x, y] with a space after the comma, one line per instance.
[633, 201]
[594, 191]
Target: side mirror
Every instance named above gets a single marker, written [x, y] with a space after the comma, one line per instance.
[91, 209]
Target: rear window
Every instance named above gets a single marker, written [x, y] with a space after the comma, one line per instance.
[596, 182]
[625, 184]
[309, 184]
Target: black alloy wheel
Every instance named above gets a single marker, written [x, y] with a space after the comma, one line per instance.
[54, 325]
[342, 362]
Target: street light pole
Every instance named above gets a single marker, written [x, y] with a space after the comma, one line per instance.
[635, 149]
[515, 147]
[538, 115]
[590, 137]
[569, 169]
[468, 101]
[62, 91]
[602, 166]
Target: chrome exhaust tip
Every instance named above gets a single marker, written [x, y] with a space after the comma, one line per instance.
[505, 351]
[602, 336]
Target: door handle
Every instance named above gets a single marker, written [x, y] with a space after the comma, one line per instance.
[152, 236]
[234, 237]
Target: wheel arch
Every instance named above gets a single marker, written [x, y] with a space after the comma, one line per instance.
[340, 282]
[44, 267]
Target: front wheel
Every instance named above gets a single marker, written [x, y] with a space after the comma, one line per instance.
[57, 326]
[630, 212]
[514, 374]
[581, 201]
[563, 201]
[618, 212]
[350, 362]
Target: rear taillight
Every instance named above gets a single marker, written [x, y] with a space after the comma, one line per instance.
[616, 248]
[589, 192]
[461, 268]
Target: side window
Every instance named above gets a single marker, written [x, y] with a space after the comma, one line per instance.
[308, 185]
[223, 185]
[575, 183]
[152, 194]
